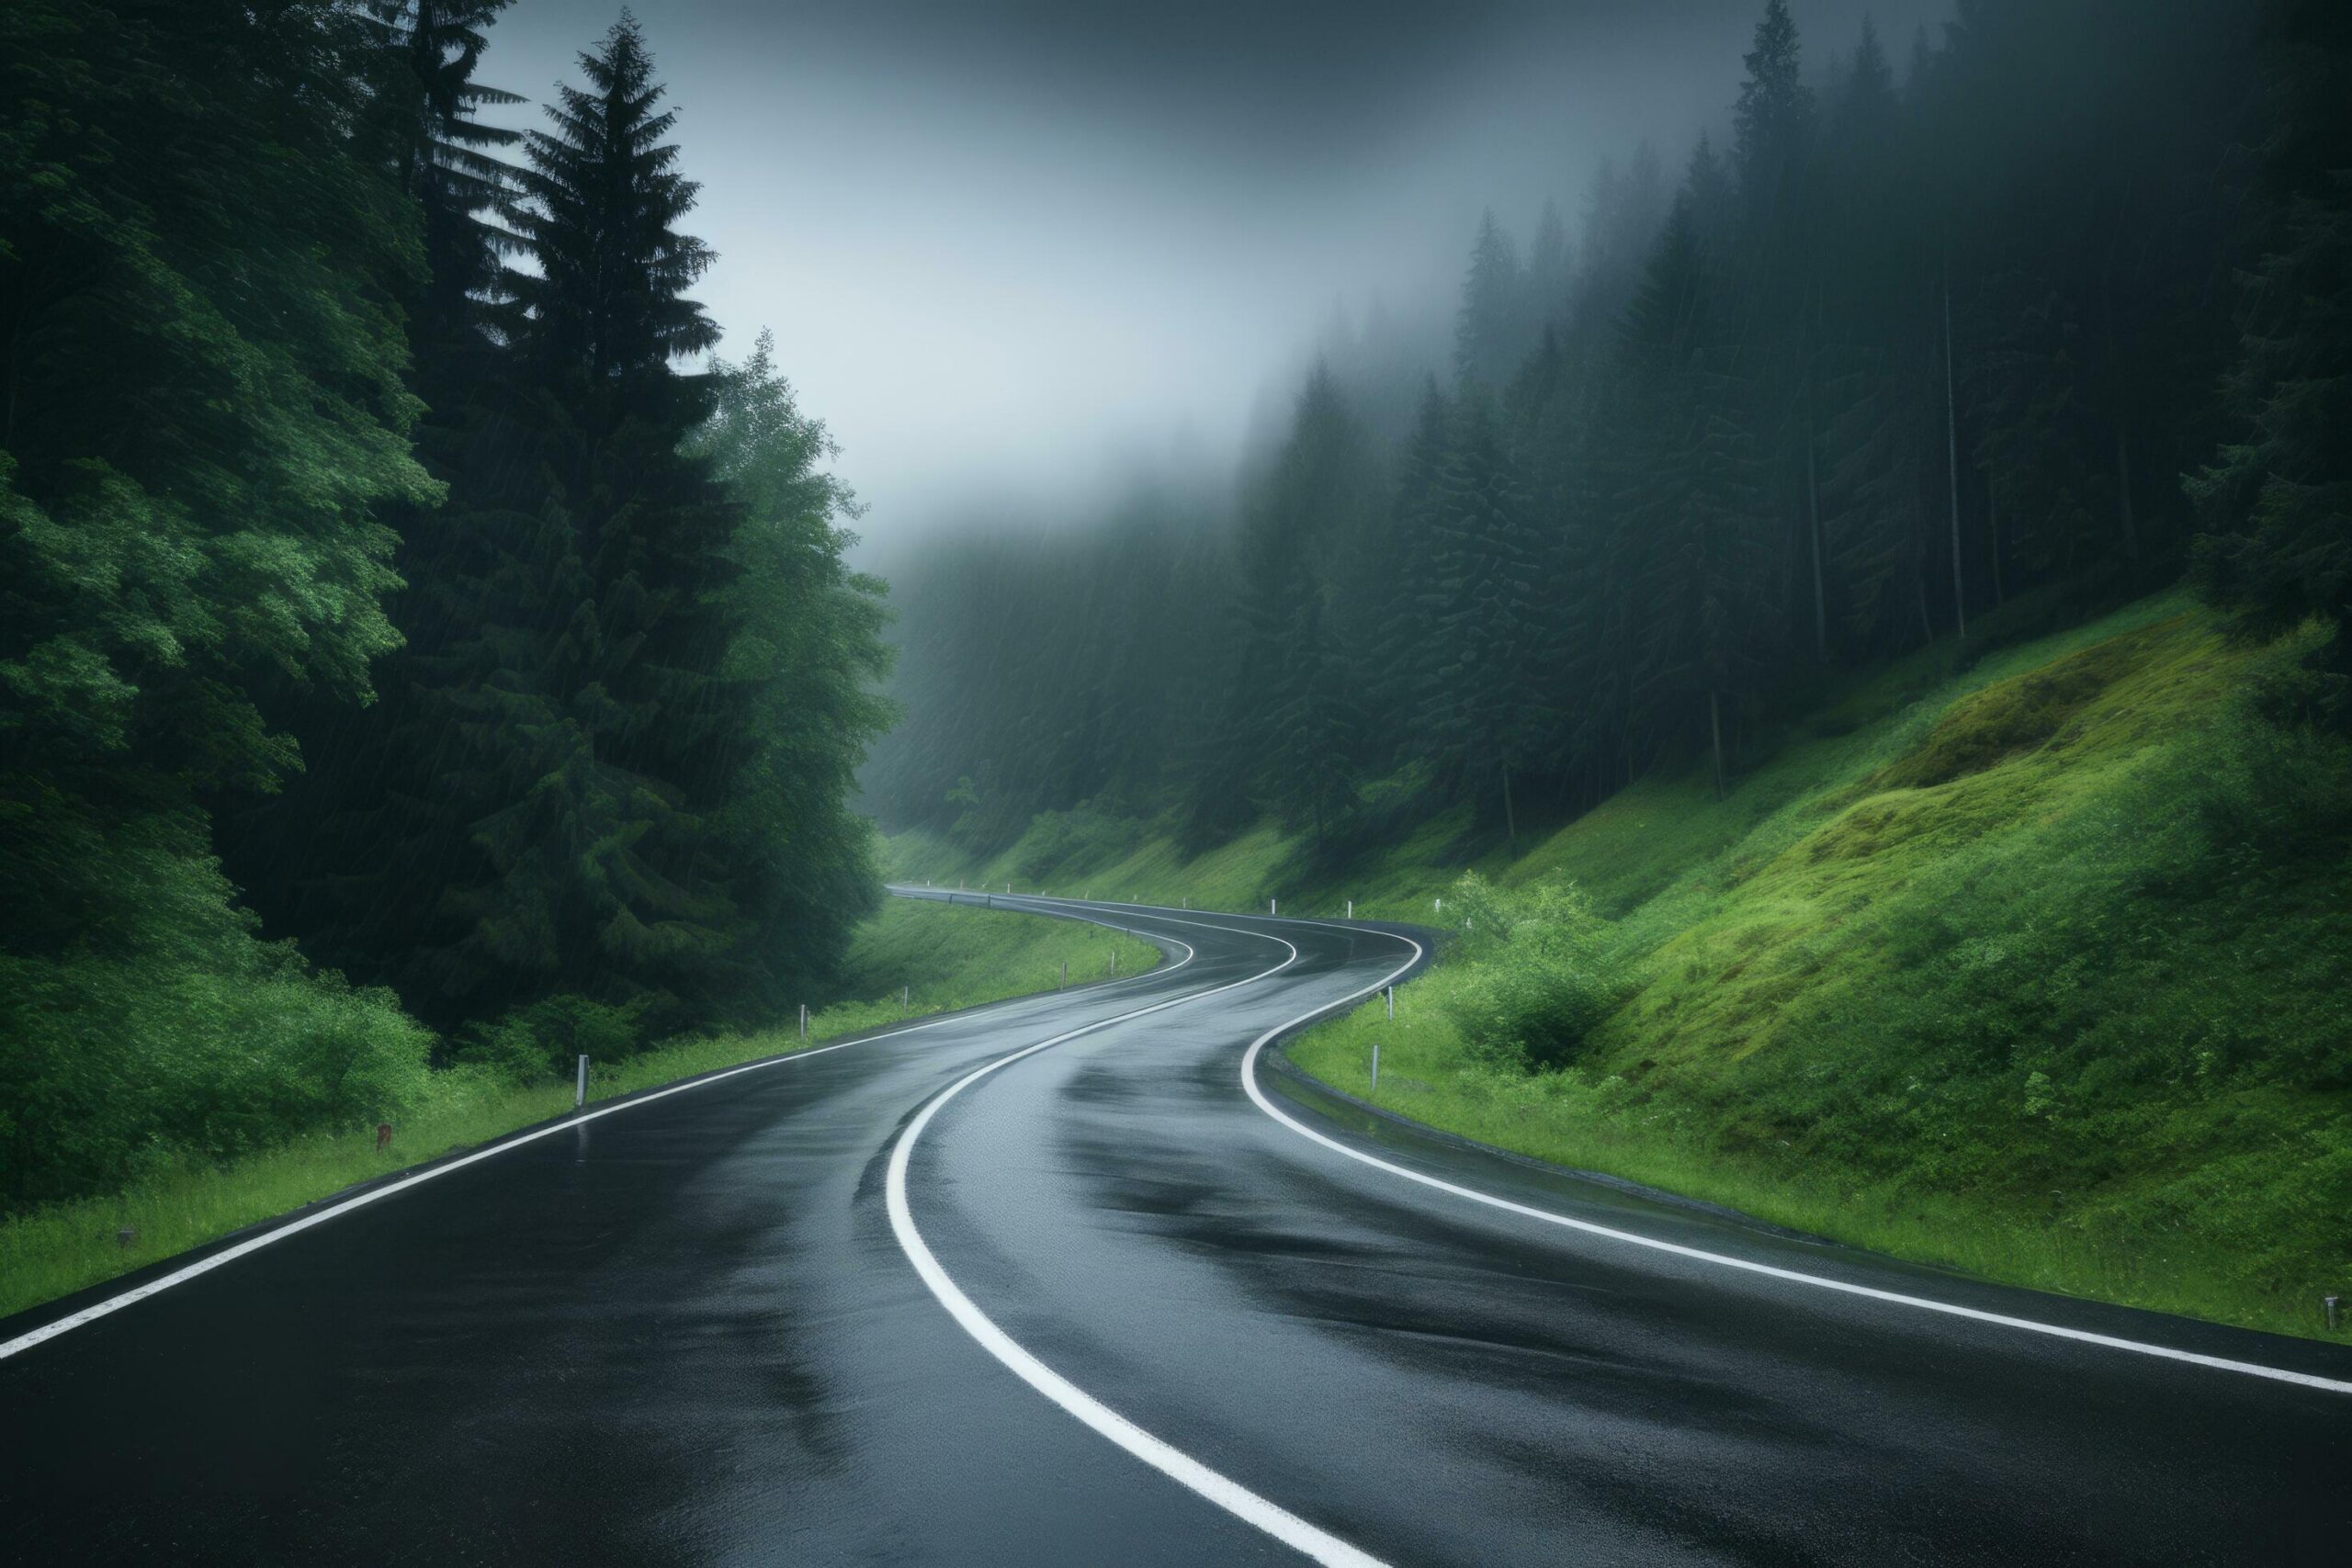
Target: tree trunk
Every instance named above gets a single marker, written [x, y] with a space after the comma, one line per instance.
[1715, 730]
[1951, 440]
[2124, 514]
[1813, 520]
[1993, 537]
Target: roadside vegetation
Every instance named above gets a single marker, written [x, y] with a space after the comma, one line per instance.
[2038, 966]
[911, 960]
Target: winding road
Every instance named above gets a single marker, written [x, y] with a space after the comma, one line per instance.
[1092, 1278]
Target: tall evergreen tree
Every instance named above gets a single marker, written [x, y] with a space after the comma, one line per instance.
[2278, 499]
[1483, 706]
[1488, 331]
[444, 153]
[586, 736]
[1773, 121]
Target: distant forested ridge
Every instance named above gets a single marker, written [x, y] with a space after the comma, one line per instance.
[2035, 320]
[405, 658]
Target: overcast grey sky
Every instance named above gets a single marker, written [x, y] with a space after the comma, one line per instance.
[1006, 248]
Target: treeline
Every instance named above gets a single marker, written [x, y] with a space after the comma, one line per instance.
[393, 626]
[2054, 310]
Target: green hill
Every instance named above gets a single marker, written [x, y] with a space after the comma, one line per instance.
[2033, 963]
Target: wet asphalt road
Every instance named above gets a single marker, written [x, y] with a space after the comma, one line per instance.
[685, 1333]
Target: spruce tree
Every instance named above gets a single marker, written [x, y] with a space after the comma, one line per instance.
[444, 153]
[1773, 121]
[1482, 703]
[1284, 691]
[585, 731]
[1488, 328]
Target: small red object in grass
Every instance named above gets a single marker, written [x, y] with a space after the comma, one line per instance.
[383, 1136]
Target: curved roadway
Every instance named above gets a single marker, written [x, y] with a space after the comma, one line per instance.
[1058, 1281]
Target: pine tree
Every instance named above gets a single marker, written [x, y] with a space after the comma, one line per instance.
[444, 155]
[336, 856]
[1544, 290]
[1404, 652]
[1482, 706]
[1773, 121]
[1284, 694]
[583, 730]
[2279, 499]
[1486, 332]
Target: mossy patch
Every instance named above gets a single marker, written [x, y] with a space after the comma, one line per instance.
[2018, 715]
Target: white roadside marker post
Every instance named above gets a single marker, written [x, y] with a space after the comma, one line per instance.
[1392, 1006]
[1375, 1066]
[1270, 906]
[906, 995]
[804, 1020]
[580, 1088]
[1351, 909]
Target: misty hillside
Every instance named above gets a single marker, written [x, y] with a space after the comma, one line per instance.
[1781, 572]
[1917, 326]
[2034, 966]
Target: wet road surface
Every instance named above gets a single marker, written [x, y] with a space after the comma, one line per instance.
[688, 1332]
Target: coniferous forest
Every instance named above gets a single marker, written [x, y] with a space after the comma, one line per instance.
[429, 654]
[420, 643]
[1956, 337]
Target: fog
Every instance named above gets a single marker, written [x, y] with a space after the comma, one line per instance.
[1013, 252]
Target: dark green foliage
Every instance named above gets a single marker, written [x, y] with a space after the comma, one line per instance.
[2279, 499]
[1292, 712]
[444, 156]
[803, 655]
[1539, 978]
[1481, 711]
[203, 411]
[550, 1035]
[625, 676]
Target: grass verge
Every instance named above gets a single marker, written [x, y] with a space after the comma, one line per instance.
[910, 961]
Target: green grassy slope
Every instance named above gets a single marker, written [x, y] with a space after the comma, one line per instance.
[2041, 968]
[945, 959]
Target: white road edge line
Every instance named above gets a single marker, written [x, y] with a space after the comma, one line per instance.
[1319, 1545]
[1791, 1276]
[115, 1304]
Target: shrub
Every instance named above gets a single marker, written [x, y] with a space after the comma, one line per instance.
[548, 1036]
[1537, 978]
[143, 1020]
